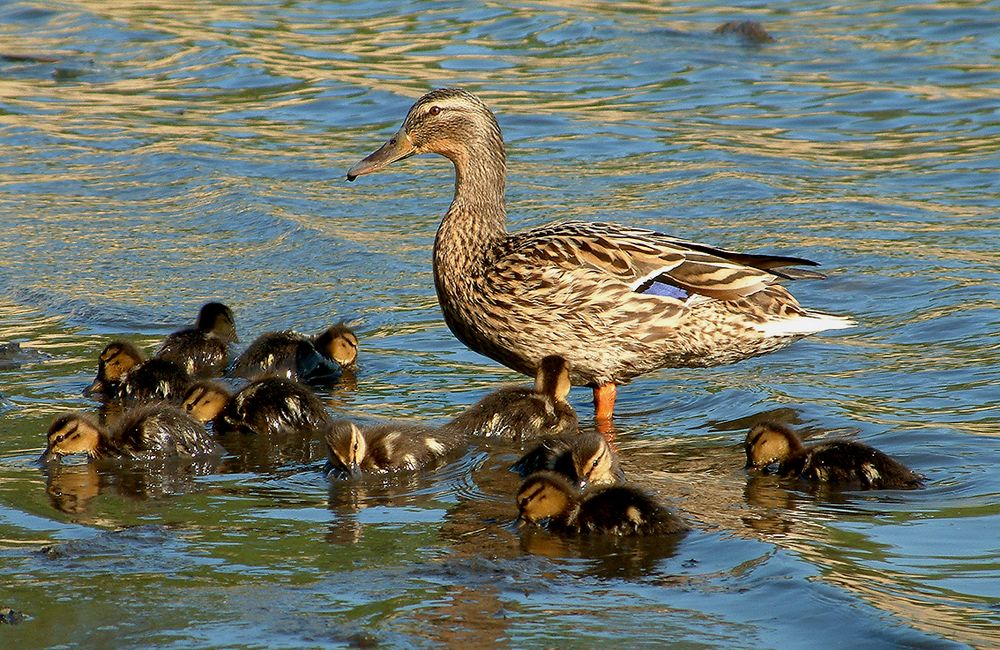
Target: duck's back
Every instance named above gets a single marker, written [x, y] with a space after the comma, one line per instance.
[851, 465]
[200, 353]
[274, 405]
[626, 511]
[162, 431]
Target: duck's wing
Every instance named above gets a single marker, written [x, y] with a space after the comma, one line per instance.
[643, 258]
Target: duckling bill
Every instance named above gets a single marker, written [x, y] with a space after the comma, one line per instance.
[774, 448]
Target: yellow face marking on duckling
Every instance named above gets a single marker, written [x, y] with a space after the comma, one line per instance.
[204, 402]
[71, 435]
[540, 499]
[115, 362]
[596, 468]
[766, 444]
[344, 348]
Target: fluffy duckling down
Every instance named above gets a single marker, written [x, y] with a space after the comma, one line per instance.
[615, 510]
[144, 433]
[583, 458]
[518, 412]
[266, 406]
[298, 357]
[124, 374]
[383, 448]
[774, 448]
[203, 351]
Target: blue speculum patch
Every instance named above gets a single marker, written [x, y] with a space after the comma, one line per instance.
[655, 288]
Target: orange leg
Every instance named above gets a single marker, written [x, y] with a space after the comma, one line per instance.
[604, 409]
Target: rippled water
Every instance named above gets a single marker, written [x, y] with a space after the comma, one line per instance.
[156, 157]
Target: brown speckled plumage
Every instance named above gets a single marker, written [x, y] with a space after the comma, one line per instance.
[579, 289]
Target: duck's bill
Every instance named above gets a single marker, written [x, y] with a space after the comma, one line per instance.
[398, 147]
[96, 388]
[46, 457]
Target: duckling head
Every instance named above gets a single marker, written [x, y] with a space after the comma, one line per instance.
[768, 443]
[346, 446]
[340, 344]
[544, 495]
[552, 378]
[218, 319]
[205, 400]
[593, 460]
[71, 434]
[446, 121]
[114, 362]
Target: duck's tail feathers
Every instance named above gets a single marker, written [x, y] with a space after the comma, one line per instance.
[809, 323]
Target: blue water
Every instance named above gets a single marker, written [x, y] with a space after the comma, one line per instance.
[156, 157]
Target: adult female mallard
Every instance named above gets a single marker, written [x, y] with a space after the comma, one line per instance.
[614, 301]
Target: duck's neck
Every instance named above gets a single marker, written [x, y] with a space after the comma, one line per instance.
[476, 221]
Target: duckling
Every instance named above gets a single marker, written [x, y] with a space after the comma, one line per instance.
[144, 433]
[583, 458]
[124, 374]
[298, 357]
[384, 448]
[615, 510]
[517, 412]
[774, 448]
[266, 406]
[203, 351]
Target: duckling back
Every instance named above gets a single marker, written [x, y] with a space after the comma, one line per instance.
[516, 413]
[203, 351]
[627, 511]
[388, 447]
[273, 406]
[161, 431]
[851, 464]
[282, 354]
[154, 380]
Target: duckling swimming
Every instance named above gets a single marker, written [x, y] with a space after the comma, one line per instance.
[267, 406]
[384, 447]
[124, 374]
[776, 449]
[297, 357]
[203, 351]
[615, 510]
[517, 412]
[583, 458]
[144, 433]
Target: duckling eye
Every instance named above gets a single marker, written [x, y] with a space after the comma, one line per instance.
[594, 464]
[435, 110]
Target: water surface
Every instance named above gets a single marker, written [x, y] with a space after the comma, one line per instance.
[160, 156]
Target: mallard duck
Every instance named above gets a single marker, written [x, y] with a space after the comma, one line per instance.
[389, 447]
[518, 412]
[147, 432]
[583, 458]
[614, 301]
[616, 510]
[124, 374]
[298, 357]
[777, 449]
[265, 406]
[203, 351]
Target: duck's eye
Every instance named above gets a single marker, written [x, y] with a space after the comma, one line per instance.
[435, 110]
[596, 460]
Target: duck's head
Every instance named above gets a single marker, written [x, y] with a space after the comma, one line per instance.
[205, 400]
[346, 447]
[115, 361]
[71, 434]
[552, 378]
[218, 319]
[544, 495]
[770, 442]
[446, 121]
[340, 344]
[592, 459]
